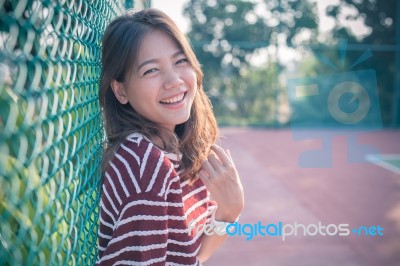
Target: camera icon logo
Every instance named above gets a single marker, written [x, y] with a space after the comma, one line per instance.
[358, 94]
[339, 104]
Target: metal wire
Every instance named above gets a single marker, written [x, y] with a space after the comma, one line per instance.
[51, 132]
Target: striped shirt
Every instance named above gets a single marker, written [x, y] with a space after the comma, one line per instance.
[146, 208]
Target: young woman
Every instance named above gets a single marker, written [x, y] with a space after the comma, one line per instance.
[160, 163]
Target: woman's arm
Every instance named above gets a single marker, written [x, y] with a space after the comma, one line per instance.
[221, 178]
[134, 215]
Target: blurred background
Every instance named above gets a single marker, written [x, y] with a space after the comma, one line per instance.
[307, 96]
[250, 49]
[306, 93]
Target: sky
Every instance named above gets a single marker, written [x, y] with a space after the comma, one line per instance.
[173, 8]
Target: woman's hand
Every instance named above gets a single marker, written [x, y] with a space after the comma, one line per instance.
[221, 178]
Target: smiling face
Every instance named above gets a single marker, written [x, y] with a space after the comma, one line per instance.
[162, 85]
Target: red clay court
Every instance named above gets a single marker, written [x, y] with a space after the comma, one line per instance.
[277, 189]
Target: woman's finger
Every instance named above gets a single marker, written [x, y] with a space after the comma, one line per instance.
[208, 168]
[221, 154]
[203, 176]
[230, 156]
[215, 163]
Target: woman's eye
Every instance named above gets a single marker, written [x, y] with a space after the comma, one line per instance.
[150, 71]
[182, 61]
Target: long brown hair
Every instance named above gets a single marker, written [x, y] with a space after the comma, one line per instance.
[121, 43]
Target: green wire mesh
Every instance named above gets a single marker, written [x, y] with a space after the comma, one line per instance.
[51, 130]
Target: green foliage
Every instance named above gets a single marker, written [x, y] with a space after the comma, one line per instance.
[224, 32]
[50, 130]
[380, 17]
[226, 35]
[248, 98]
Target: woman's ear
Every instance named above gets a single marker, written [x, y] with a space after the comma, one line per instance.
[119, 91]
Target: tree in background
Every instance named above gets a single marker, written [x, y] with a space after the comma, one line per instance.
[380, 19]
[226, 35]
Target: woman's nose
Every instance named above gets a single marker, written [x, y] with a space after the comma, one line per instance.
[172, 79]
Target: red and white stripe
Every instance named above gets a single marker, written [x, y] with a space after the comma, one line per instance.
[146, 208]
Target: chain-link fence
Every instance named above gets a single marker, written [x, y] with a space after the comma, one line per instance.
[51, 132]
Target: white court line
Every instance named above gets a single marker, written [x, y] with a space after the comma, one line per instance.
[378, 159]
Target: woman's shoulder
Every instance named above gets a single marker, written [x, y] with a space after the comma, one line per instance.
[142, 164]
[143, 149]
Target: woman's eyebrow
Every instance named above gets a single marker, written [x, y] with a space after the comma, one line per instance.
[150, 61]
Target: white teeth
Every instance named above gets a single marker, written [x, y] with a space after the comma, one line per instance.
[174, 99]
